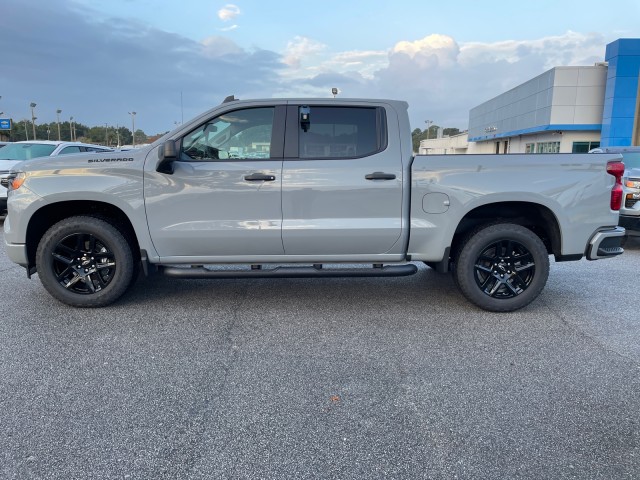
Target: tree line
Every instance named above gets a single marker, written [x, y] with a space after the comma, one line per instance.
[110, 136]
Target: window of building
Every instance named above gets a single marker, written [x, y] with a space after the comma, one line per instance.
[548, 147]
[342, 132]
[584, 147]
[530, 148]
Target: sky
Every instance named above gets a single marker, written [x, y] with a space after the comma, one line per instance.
[97, 60]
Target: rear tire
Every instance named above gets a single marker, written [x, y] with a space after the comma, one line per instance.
[502, 267]
[85, 261]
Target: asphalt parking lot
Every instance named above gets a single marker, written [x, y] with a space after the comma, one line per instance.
[328, 378]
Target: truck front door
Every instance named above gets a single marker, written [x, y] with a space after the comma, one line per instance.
[223, 197]
[342, 182]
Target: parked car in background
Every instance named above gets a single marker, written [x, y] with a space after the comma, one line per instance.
[630, 210]
[16, 152]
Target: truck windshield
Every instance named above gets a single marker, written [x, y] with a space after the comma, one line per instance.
[26, 151]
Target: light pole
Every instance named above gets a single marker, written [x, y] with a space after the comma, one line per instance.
[71, 129]
[133, 128]
[58, 112]
[106, 135]
[429, 123]
[33, 119]
[48, 133]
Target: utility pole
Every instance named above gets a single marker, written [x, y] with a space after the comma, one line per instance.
[33, 119]
[429, 123]
[58, 112]
[133, 127]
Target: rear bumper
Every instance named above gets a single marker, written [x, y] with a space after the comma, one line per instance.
[605, 243]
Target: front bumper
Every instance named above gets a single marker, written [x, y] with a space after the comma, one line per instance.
[17, 253]
[605, 243]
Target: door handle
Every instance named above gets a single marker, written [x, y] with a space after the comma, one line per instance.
[259, 177]
[380, 176]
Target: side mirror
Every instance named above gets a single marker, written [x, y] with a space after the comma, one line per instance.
[305, 118]
[167, 153]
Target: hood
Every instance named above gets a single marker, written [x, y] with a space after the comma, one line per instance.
[92, 160]
[7, 165]
[632, 172]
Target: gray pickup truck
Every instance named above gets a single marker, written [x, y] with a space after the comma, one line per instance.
[308, 188]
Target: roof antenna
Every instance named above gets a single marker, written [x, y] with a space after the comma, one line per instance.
[230, 98]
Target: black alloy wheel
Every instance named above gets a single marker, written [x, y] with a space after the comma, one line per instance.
[83, 264]
[504, 269]
[501, 267]
[85, 261]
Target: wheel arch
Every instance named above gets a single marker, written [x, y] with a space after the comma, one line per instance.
[49, 215]
[536, 217]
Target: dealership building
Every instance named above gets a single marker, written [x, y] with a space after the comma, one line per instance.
[565, 109]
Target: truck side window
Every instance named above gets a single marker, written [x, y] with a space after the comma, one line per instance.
[342, 132]
[237, 135]
[68, 150]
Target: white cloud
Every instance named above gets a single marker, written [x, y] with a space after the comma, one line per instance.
[228, 12]
[569, 49]
[300, 49]
[229, 29]
[215, 46]
[443, 80]
[431, 51]
[439, 77]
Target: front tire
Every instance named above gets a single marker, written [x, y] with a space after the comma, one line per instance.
[502, 267]
[85, 262]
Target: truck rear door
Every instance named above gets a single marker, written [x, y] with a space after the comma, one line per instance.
[341, 182]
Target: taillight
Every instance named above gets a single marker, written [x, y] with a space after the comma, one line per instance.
[616, 168]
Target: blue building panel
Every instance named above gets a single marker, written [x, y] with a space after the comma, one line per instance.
[612, 50]
[617, 142]
[626, 87]
[625, 107]
[622, 127]
[612, 70]
[629, 67]
[623, 57]
[607, 111]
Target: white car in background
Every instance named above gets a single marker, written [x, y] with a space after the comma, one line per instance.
[16, 152]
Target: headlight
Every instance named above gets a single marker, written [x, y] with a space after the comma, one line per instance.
[15, 180]
[632, 183]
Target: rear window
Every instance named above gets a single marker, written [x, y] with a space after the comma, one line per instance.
[342, 132]
[26, 151]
